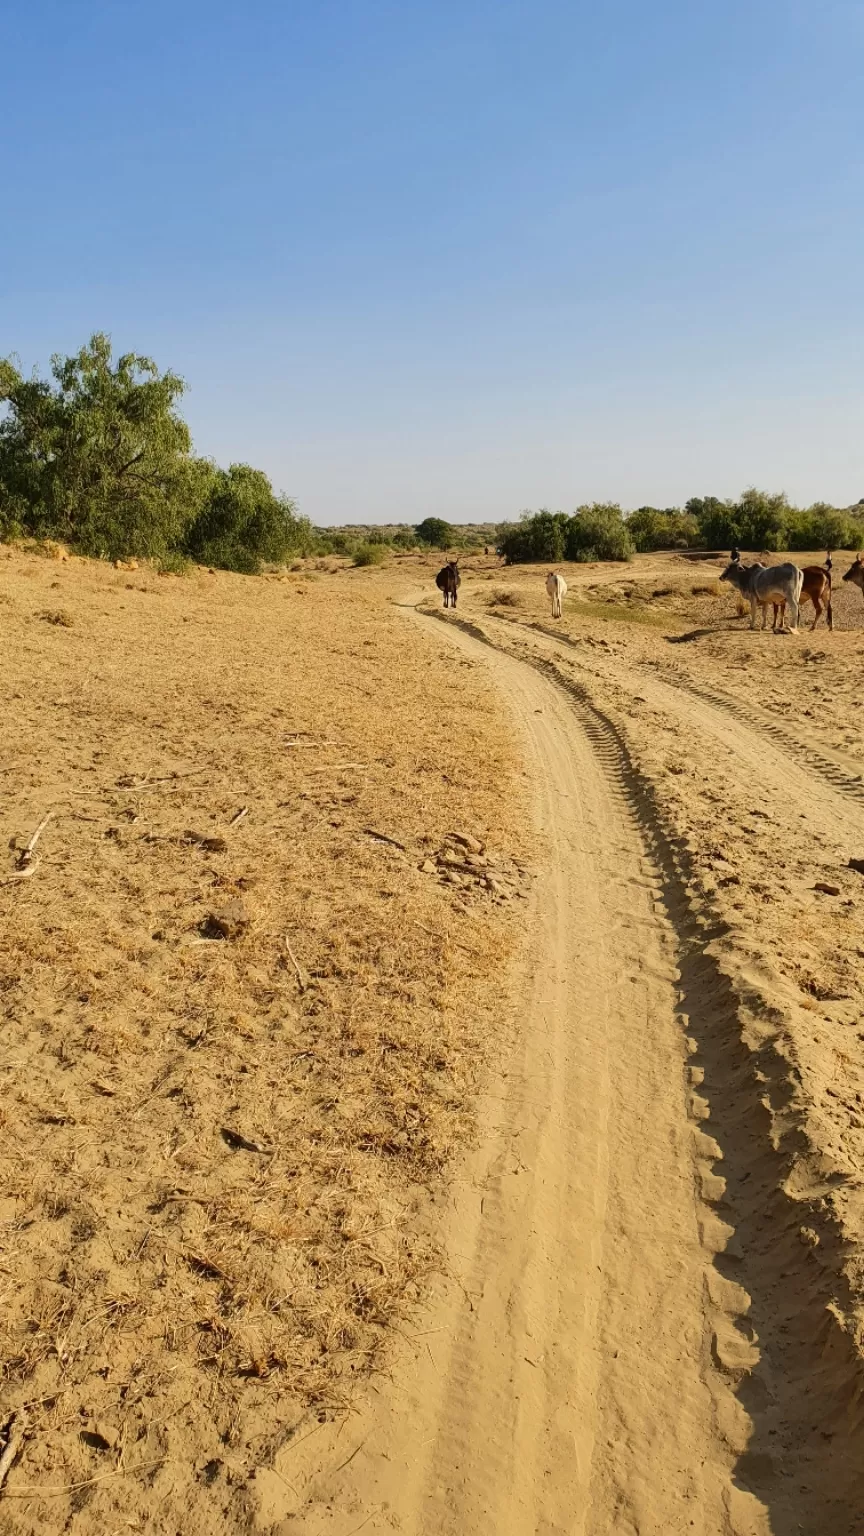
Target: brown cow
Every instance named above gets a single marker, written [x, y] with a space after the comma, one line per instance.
[816, 587]
[855, 573]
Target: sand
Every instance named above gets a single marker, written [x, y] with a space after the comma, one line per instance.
[620, 1284]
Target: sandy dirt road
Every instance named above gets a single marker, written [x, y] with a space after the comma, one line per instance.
[573, 1375]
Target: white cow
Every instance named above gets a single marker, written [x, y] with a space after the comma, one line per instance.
[764, 584]
[556, 586]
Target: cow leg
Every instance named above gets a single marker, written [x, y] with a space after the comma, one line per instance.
[829, 613]
[752, 613]
[818, 614]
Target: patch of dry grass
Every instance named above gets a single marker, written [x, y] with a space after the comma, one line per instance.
[216, 1151]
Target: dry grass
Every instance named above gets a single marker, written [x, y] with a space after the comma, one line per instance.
[216, 1151]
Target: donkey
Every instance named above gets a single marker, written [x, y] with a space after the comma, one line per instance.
[447, 581]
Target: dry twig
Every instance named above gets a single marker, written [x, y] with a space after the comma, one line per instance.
[382, 837]
[13, 1446]
[302, 979]
[25, 857]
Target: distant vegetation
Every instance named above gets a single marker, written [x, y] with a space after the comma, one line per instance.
[434, 531]
[595, 532]
[99, 457]
[758, 521]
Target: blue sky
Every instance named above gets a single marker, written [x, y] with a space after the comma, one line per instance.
[460, 257]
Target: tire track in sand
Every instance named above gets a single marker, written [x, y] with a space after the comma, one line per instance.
[566, 1382]
[804, 1382]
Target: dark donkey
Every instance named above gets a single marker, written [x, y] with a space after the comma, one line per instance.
[447, 581]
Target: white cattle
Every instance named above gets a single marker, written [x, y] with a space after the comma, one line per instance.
[556, 586]
[764, 584]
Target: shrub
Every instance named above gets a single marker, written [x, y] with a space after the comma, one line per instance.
[173, 564]
[243, 523]
[598, 532]
[370, 554]
[538, 536]
[669, 528]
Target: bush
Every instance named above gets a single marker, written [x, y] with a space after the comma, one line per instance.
[667, 528]
[404, 538]
[243, 523]
[598, 532]
[538, 536]
[595, 532]
[370, 554]
[173, 564]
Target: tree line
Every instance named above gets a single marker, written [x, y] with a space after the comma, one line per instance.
[98, 457]
[757, 521]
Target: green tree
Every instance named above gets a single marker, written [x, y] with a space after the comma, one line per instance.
[762, 517]
[435, 532]
[243, 523]
[538, 536]
[98, 455]
[717, 521]
[598, 532]
[662, 528]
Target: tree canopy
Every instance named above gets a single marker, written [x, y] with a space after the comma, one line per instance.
[593, 532]
[435, 532]
[99, 456]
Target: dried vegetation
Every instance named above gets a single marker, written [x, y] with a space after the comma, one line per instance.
[245, 998]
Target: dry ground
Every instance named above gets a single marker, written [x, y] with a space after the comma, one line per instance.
[639, 1307]
[215, 1148]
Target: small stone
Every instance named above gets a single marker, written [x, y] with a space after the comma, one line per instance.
[472, 844]
[829, 890]
[428, 868]
[229, 921]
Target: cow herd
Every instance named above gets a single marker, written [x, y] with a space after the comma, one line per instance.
[782, 586]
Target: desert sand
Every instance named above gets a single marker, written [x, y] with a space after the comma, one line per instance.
[505, 1176]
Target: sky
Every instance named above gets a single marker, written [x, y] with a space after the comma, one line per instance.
[456, 257]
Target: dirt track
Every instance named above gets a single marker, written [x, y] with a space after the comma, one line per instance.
[575, 1384]
[641, 1337]
[648, 1319]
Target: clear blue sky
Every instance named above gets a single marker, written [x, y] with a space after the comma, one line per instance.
[456, 256]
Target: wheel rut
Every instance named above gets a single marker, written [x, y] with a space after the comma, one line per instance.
[576, 1371]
